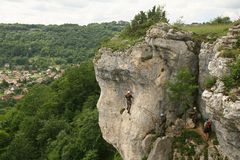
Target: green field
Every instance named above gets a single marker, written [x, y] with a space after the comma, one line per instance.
[207, 31]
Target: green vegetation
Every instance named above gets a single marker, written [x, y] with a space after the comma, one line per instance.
[209, 82]
[186, 142]
[39, 46]
[207, 32]
[143, 20]
[58, 121]
[181, 89]
[136, 30]
[230, 53]
[205, 153]
[144, 158]
[117, 157]
[233, 79]
[221, 20]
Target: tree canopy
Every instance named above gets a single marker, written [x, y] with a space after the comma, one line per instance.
[41, 46]
[58, 121]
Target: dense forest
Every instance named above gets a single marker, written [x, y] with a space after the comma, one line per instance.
[56, 121]
[40, 46]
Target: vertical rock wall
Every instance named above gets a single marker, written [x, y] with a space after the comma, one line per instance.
[214, 103]
[144, 69]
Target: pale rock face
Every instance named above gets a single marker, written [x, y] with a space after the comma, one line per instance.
[143, 69]
[224, 112]
[147, 143]
[162, 149]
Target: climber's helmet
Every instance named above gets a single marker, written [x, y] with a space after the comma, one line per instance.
[194, 108]
[128, 92]
[162, 114]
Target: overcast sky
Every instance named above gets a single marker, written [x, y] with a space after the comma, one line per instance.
[89, 11]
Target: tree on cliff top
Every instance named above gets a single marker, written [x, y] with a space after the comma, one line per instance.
[143, 20]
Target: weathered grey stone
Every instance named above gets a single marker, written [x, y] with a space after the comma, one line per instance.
[147, 143]
[218, 67]
[162, 149]
[144, 69]
[224, 112]
[189, 123]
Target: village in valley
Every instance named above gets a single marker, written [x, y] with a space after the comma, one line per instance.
[14, 83]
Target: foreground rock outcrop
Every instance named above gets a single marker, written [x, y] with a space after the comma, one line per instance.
[144, 69]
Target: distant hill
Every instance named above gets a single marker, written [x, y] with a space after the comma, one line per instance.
[41, 46]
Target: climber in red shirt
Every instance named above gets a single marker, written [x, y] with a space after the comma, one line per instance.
[207, 128]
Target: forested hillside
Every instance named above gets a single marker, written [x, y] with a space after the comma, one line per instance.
[56, 121]
[41, 46]
[59, 119]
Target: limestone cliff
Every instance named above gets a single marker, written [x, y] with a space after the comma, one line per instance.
[144, 69]
[224, 111]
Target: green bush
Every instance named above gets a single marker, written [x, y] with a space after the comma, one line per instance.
[210, 81]
[181, 90]
[4, 138]
[233, 79]
[143, 20]
[230, 53]
[136, 30]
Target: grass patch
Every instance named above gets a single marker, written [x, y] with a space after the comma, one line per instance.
[203, 29]
[207, 32]
[120, 42]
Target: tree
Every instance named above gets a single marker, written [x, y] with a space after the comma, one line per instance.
[220, 20]
[181, 90]
[58, 121]
[143, 20]
[4, 138]
[20, 148]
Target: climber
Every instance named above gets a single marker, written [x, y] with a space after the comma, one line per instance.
[194, 116]
[207, 128]
[129, 98]
[162, 125]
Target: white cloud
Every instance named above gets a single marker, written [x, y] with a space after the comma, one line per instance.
[84, 12]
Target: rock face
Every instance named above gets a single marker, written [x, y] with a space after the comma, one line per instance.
[162, 149]
[219, 107]
[144, 69]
